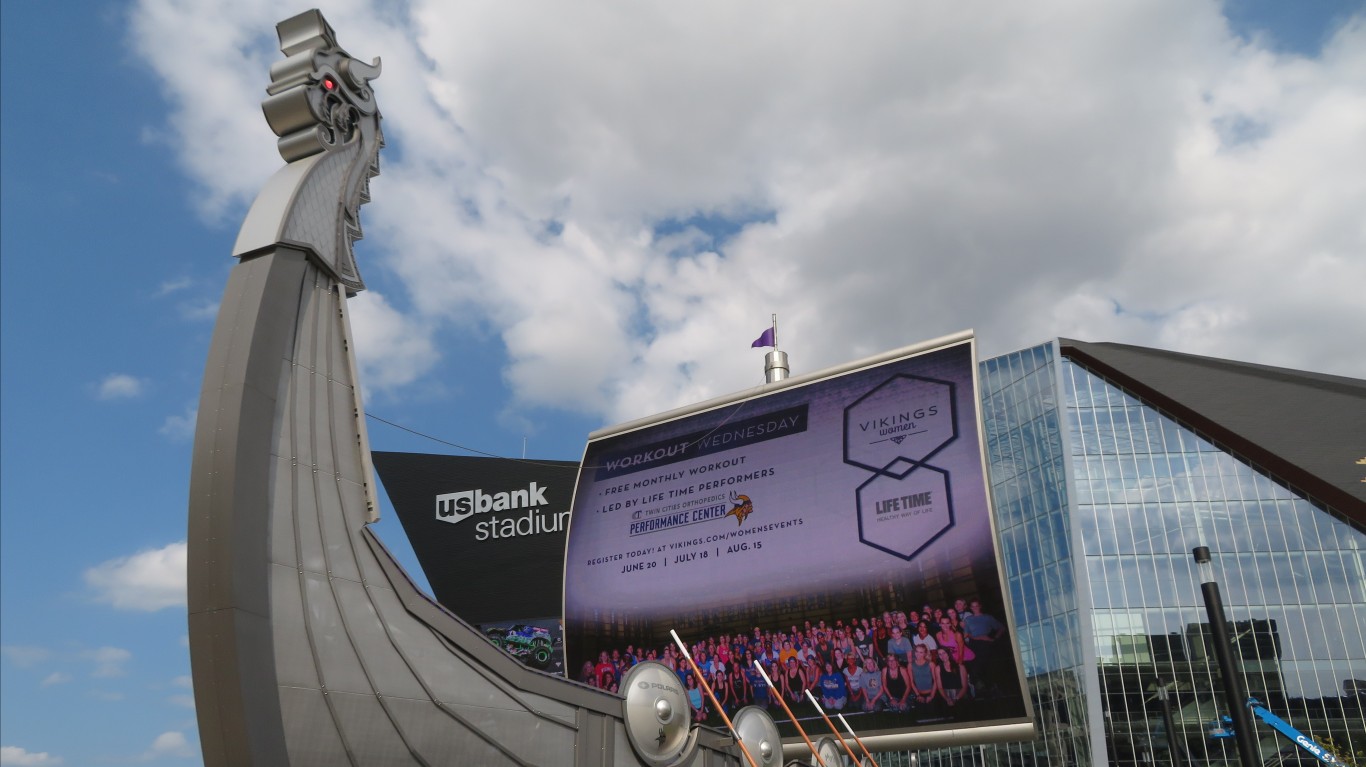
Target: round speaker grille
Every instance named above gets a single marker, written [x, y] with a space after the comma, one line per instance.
[657, 713]
[760, 735]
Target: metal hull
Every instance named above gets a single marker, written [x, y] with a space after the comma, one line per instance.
[309, 644]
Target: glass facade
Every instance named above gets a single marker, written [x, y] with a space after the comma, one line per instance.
[1100, 499]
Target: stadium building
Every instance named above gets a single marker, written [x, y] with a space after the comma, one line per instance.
[1108, 465]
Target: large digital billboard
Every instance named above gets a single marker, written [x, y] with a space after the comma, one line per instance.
[836, 527]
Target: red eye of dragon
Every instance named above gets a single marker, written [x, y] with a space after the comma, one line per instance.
[329, 84]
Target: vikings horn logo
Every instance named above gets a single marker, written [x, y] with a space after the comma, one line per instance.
[743, 508]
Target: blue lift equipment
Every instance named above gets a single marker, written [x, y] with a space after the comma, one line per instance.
[1223, 728]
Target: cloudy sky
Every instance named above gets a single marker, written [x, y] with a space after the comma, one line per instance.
[586, 213]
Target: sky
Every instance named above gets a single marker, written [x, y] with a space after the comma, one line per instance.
[586, 213]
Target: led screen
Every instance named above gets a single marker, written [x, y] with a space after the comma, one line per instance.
[838, 529]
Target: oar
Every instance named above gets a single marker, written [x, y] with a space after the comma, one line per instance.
[775, 691]
[838, 736]
[856, 739]
[703, 681]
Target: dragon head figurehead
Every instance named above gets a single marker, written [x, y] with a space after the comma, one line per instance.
[321, 106]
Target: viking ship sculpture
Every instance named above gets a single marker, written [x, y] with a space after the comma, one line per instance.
[309, 644]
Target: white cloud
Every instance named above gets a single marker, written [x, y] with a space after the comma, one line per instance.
[170, 743]
[149, 580]
[120, 386]
[56, 677]
[106, 662]
[186, 701]
[25, 656]
[890, 172]
[109, 661]
[199, 309]
[392, 349]
[173, 286]
[19, 757]
[181, 427]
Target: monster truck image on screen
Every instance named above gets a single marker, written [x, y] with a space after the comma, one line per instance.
[530, 644]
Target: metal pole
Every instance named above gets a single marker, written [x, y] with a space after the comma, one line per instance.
[775, 362]
[1234, 694]
[1164, 698]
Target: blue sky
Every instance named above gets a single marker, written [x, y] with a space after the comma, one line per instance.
[587, 217]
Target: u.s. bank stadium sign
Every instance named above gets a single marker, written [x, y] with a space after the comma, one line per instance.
[534, 519]
[488, 532]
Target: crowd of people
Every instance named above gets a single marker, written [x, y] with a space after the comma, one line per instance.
[928, 660]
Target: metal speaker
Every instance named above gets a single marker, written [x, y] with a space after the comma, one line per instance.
[760, 735]
[657, 714]
[830, 753]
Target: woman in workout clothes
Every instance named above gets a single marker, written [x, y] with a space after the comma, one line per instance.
[894, 682]
[739, 683]
[720, 687]
[699, 709]
[952, 639]
[924, 677]
[853, 675]
[793, 680]
[953, 677]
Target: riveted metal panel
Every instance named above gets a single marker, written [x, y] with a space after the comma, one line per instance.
[370, 734]
[388, 673]
[306, 343]
[284, 446]
[282, 541]
[441, 739]
[588, 748]
[294, 660]
[312, 738]
[344, 426]
[307, 527]
[354, 507]
[337, 538]
[449, 679]
[622, 752]
[549, 707]
[529, 738]
[338, 664]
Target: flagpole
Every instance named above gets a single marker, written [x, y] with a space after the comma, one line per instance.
[775, 362]
[831, 725]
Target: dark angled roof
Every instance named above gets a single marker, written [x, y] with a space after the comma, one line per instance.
[1306, 429]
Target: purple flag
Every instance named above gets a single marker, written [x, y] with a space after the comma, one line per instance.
[766, 339]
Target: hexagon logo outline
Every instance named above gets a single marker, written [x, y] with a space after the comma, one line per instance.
[948, 499]
[953, 424]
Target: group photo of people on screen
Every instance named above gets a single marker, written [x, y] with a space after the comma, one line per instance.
[929, 664]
